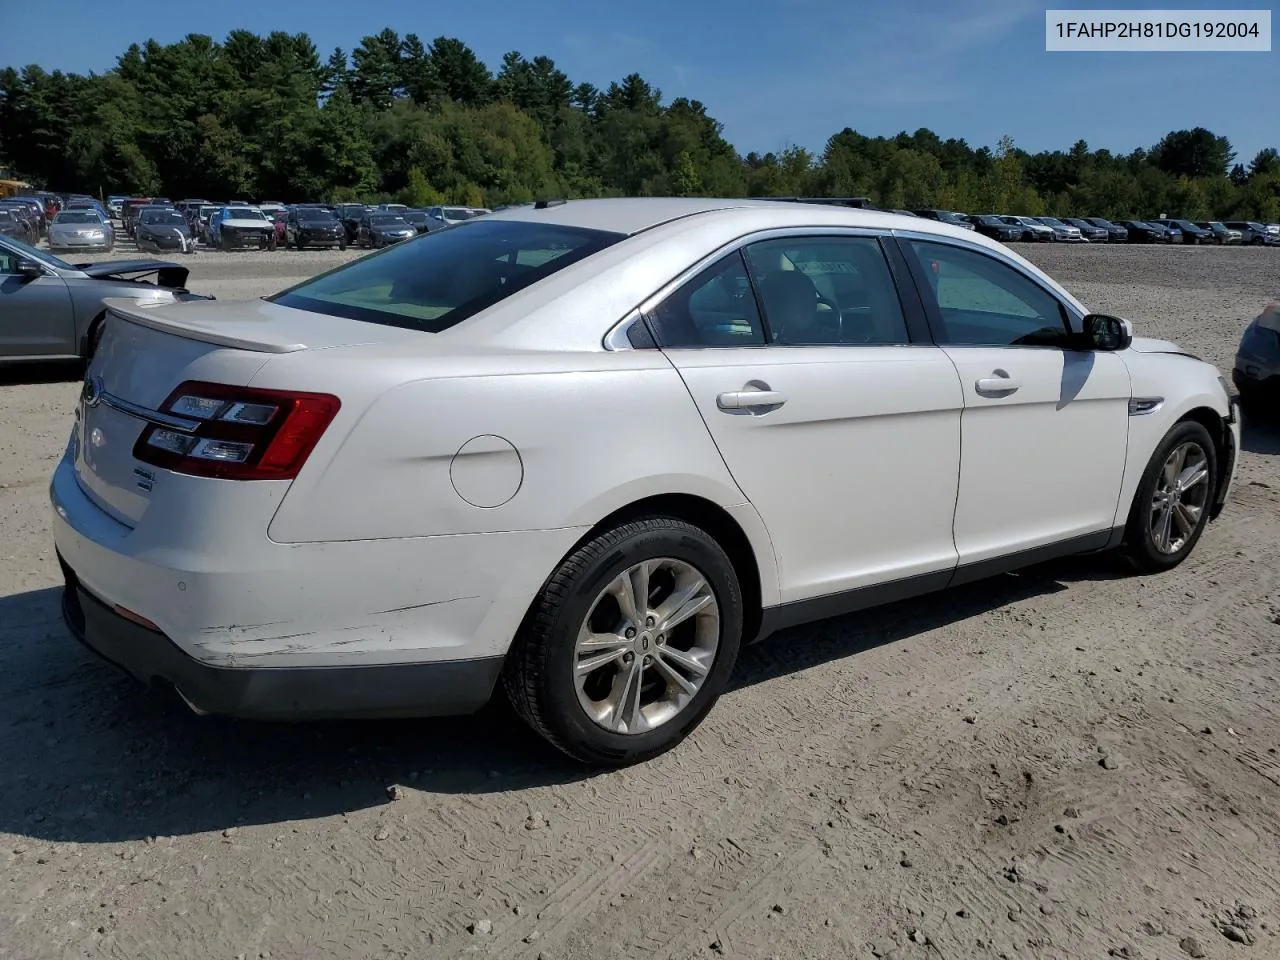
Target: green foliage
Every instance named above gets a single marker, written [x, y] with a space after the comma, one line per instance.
[401, 119]
[419, 192]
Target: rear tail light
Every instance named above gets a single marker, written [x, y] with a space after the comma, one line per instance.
[236, 433]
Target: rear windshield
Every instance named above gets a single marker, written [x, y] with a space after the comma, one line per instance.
[442, 278]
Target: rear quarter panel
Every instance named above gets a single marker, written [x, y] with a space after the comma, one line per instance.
[594, 432]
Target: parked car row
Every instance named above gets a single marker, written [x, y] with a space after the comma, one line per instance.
[160, 224]
[1009, 228]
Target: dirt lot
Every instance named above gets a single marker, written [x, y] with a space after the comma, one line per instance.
[1069, 763]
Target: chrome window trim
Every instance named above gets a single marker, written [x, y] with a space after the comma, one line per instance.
[617, 338]
[735, 245]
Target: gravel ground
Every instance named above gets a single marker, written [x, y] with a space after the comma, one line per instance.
[1067, 763]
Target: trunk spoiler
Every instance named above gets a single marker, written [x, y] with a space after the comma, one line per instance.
[185, 320]
[168, 274]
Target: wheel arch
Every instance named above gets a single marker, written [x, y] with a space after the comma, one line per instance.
[1223, 447]
[724, 527]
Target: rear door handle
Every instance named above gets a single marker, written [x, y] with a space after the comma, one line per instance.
[749, 399]
[997, 385]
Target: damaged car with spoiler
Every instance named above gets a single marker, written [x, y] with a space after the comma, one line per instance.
[52, 310]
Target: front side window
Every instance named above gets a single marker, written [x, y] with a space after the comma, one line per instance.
[827, 290]
[984, 302]
[717, 308]
[440, 279]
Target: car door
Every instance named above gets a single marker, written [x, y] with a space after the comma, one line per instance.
[1045, 426]
[36, 315]
[839, 425]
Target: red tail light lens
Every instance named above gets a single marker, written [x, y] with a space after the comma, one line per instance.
[236, 433]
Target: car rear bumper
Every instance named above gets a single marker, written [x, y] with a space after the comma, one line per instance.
[277, 693]
[226, 604]
[80, 245]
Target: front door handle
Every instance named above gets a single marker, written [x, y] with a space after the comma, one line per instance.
[997, 385]
[759, 396]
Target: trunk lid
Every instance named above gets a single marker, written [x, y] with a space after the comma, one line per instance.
[145, 351]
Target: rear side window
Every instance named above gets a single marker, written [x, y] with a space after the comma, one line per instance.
[828, 290]
[717, 308]
[442, 278]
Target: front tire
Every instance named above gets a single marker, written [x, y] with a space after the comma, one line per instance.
[630, 643]
[1171, 507]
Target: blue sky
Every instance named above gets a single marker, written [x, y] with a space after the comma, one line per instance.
[775, 72]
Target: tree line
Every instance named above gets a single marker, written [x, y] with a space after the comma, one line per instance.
[421, 123]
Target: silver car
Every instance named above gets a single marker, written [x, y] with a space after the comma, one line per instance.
[83, 229]
[51, 309]
[1062, 232]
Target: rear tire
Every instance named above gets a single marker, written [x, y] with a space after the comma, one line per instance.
[587, 715]
[1171, 507]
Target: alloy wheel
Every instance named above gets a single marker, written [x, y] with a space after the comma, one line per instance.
[646, 646]
[1180, 498]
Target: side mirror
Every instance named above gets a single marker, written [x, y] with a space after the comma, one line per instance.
[30, 269]
[1105, 332]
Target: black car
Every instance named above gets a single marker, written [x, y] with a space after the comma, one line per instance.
[419, 218]
[163, 228]
[1116, 232]
[1222, 234]
[380, 228]
[11, 226]
[1142, 232]
[1191, 232]
[26, 223]
[946, 216]
[1257, 367]
[313, 227]
[1090, 231]
[30, 211]
[989, 225]
[350, 215]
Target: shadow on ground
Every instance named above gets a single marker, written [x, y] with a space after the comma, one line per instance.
[89, 755]
[62, 371]
[1260, 434]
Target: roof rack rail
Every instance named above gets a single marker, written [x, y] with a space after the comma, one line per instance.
[544, 204]
[862, 202]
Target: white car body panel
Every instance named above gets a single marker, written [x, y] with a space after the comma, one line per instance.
[1042, 463]
[848, 440]
[464, 465]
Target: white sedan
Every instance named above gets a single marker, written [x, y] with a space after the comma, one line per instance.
[586, 450]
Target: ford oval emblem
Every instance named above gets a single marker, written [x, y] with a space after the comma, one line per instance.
[93, 391]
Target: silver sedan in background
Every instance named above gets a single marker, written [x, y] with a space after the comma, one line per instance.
[51, 309]
[83, 229]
